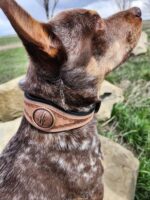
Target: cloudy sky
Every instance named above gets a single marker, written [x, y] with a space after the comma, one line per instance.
[104, 7]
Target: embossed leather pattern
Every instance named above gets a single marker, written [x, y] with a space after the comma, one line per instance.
[50, 119]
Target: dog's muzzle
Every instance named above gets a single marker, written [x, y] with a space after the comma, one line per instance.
[51, 118]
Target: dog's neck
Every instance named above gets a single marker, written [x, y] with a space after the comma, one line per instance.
[81, 137]
[59, 92]
[69, 99]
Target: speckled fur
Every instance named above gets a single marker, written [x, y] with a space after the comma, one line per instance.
[69, 58]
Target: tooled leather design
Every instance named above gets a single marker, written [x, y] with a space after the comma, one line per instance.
[43, 118]
[50, 119]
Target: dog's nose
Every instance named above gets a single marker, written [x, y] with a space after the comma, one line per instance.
[136, 11]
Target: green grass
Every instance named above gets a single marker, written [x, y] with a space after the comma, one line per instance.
[132, 129]
[136, 68]
[9, 40]
[13, 63]
[130, 123]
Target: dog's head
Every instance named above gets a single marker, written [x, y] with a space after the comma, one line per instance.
[70, 55]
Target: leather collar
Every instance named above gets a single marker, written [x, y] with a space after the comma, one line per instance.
[51, 118]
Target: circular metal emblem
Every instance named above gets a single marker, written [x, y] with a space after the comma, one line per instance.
[43, 118]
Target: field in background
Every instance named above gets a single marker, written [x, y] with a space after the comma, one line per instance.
[130, 122]
[146, 24]
[13, 62]
[7, 40]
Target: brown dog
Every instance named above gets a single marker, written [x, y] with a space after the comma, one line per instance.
[69, 58]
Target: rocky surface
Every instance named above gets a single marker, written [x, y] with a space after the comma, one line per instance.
[110, 95]
[121, 171]
[11, 100]
[7, 130]
[142, 45]
[121, 167]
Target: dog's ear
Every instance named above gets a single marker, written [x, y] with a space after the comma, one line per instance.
[32, 33]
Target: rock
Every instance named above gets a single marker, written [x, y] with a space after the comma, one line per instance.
[120, 171]
[120, 166]
[7, 130]
[142, 45]
[110, 95]
[11, 100]
[125, 84]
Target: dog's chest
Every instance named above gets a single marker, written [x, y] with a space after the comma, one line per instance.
[79, 168]
[67, 174]
[75, 175]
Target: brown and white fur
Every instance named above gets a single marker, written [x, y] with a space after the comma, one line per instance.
[69, 58]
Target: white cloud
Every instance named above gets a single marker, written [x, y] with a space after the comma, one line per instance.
[1, 22]
[109, 7]
[139, 4]
[105, 8]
